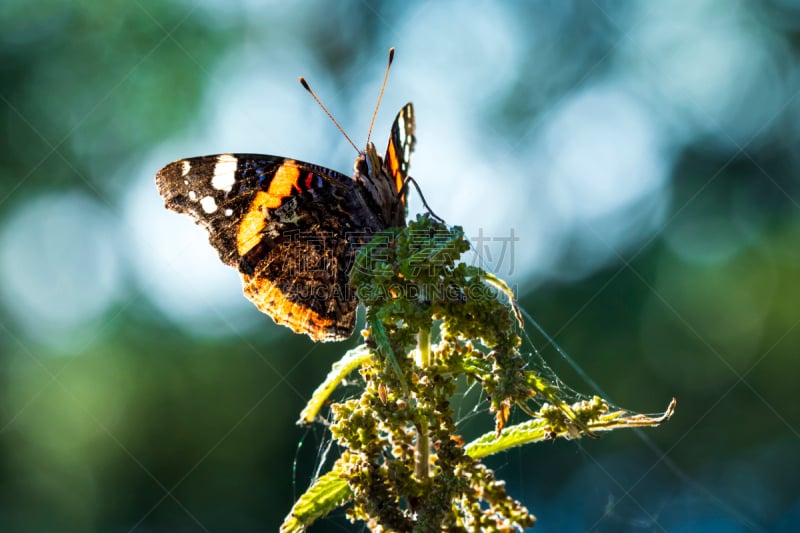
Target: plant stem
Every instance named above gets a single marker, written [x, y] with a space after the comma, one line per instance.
[423, 442]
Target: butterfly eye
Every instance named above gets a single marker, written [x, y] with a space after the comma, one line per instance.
[361, 166]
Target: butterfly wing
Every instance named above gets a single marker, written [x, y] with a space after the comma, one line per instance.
[401, 143]
[290, 228]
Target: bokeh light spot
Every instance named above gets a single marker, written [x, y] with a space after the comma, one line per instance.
[59, 265]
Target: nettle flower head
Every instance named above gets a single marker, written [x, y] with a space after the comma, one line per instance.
[403, 465]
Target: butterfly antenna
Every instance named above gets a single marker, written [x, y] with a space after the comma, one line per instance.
[305, 85]
[380, 96]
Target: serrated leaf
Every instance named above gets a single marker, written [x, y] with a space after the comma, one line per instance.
[327, 493]
[339, 370]
[537, 430]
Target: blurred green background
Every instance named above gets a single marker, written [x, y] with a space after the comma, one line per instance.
[644, 154]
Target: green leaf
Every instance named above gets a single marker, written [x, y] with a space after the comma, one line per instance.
[340, 369]
[327, 493]
[540, 429]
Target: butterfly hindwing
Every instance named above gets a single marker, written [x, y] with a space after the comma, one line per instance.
[290, 228]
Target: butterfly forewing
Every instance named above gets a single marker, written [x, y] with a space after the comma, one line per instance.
[291, 228]
[401, 143]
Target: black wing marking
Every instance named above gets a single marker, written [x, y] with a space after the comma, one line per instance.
[218, 191]
[290, 228]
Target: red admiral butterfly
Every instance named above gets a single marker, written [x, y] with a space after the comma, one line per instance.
[292, 229]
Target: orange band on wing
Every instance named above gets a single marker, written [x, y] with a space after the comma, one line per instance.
[394, 166]
[254, 220]
[282, 183]
[252, 223]
[270, 300]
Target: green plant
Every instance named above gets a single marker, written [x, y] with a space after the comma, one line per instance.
[403, 465]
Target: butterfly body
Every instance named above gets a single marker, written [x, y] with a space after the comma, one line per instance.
[292, 228]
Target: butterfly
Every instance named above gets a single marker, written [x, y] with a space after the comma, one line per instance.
[292, 229]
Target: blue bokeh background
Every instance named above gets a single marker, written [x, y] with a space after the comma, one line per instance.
[644, 153]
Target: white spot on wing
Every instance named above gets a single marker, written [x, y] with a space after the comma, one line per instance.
[208, 204]
[186, 167]
[224, 173]
[192, 195]
[228, 212]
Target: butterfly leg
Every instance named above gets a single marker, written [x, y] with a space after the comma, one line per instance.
[404, 190]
